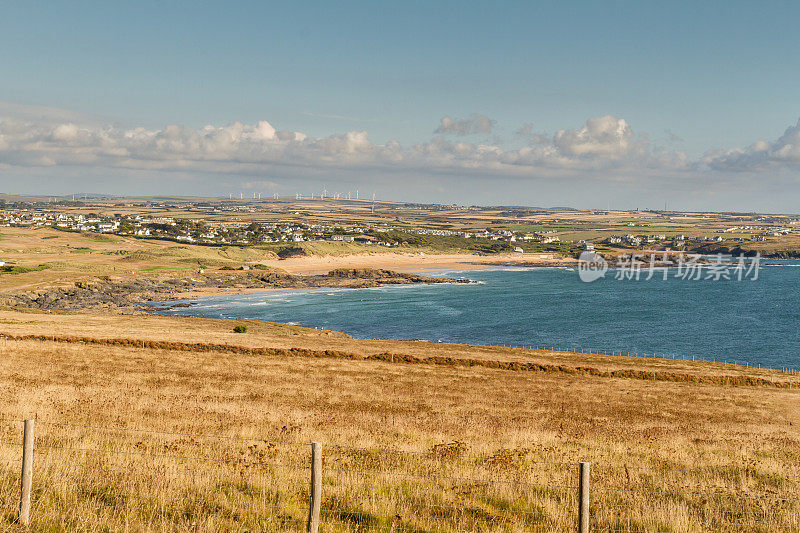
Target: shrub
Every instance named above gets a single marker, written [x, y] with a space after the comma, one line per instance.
[240, 328]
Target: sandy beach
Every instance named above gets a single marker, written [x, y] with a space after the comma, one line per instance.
[405, 263]
[408, 262]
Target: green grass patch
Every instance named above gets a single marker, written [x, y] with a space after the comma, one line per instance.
[22, 270]
[99, 238]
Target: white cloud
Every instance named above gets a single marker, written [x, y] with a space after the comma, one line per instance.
[605, 136]
[472, 125]
[604, 148]
[601, 144]
[603, 160]
[761, 155]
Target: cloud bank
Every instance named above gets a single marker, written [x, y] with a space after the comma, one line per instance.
[761, 155]
[601, 143]
[602, 158]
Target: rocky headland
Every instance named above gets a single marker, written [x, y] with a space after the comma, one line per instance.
[135, 294]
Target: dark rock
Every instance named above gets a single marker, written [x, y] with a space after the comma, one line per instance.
[134, 294]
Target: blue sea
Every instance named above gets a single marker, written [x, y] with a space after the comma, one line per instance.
[754, 321]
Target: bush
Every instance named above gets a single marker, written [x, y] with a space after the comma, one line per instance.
[241, 328]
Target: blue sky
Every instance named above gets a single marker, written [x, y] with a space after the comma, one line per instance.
[688, 90]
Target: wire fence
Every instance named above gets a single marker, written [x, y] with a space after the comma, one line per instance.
[112, 478]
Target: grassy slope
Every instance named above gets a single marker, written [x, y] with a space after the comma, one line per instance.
[469, 422]
[72, 256]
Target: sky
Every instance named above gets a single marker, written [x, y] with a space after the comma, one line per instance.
[688, 105]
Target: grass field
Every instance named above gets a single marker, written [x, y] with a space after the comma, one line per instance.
[416, 436]
[148, 423]
[46, 256]
[42, 257]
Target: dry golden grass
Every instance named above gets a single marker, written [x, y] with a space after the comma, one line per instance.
[407, 446]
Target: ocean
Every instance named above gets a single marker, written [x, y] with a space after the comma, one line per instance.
[753, 321]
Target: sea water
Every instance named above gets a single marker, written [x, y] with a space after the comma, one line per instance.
[754, 321]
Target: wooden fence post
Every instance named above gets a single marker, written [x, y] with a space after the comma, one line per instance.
[583, 498]
[316, 488]
[27, 474]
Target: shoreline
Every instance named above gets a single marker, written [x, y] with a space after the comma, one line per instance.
[123, 294]
[433, 265]
[427, 265]
[126, 295]
[412, 263]
[223, 291]
[132, 294]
